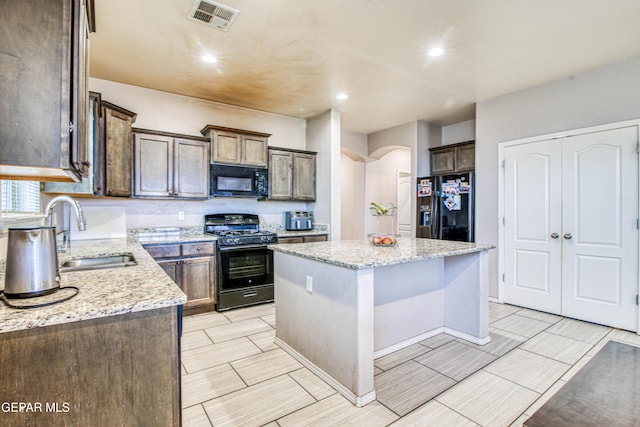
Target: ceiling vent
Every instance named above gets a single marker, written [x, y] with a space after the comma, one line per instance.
[214, 14]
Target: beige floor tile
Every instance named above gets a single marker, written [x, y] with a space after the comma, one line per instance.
[576, 368]
[217, 354]
[273, 424]
[208, 384]
[434, 414]
[403, 388]
[520, 421]
[195, 417]
[270, 319]
[539, 315]
[259, 404]
[544, 398]
[501, 343]
[237, 329]
[255, 369]
[456, 360]
[202, 321]
[337, 411]
[487, 399]
[520, 325]
[560, 348]
[377, 370]
[195, 339]
[625, 336]
[312, 383]
[598, 346]
[438, 340]
[528, 369]
[581, 331]
[398, 357]
[264, 340]
[499, 311]
[255, 311]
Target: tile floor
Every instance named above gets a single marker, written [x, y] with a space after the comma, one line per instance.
[234, 375]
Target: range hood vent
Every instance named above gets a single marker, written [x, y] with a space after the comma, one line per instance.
[213, 14]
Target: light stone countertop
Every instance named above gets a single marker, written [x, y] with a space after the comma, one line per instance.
[360, 254]
[103, 293]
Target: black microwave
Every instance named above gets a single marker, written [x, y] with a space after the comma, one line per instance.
[239, 181]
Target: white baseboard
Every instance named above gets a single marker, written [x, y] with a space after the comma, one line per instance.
[467, 337]
[358, 401]
[407, 343]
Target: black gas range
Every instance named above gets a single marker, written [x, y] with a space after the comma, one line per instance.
[245, 265]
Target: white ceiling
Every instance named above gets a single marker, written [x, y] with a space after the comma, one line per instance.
[293, 56]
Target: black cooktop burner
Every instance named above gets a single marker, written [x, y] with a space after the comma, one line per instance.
[238, 229]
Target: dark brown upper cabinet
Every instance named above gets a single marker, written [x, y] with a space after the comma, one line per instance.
[292, 174]
[453, 158]
[44, 89]
[236, 146]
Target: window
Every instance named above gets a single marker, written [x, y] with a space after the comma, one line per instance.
[20, 197]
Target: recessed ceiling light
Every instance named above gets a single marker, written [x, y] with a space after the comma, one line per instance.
[210, 59]
[342, 96]
[436, 51]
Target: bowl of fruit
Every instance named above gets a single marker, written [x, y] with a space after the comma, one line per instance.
[380, 239]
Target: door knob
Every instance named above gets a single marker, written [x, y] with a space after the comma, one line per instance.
[567, 236]
[554, 235]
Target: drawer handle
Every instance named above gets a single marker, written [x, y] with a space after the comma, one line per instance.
[198, 249]
[249, 294]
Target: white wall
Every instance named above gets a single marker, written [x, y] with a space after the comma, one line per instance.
[381, 187]
[603, 95]
[180, 114]
[323, 136]
[352, 206]
[352, 184]
[459, 132]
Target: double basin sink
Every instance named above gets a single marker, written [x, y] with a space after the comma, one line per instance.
[96, 263]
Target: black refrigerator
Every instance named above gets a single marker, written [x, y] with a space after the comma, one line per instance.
[445, 207]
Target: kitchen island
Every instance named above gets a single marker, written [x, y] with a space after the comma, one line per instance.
[341, 304]
[108, 356]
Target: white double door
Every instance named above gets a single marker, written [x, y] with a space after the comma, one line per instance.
[571, 230]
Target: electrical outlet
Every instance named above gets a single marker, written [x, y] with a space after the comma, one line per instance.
[181, 215]
[310, 284]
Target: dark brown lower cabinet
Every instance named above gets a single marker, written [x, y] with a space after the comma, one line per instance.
[111, 371]
[303, 239]
[193, 267]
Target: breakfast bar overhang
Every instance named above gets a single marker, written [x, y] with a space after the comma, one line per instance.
[341, 304]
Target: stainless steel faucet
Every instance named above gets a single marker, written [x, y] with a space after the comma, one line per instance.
[82, 221]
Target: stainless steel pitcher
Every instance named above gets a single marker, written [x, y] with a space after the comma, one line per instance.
[32, 262]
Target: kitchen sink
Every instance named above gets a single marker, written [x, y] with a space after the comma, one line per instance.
[95, 263]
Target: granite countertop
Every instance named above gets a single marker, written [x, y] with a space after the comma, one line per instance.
[103, 293]
[360, 254]
[166, 235]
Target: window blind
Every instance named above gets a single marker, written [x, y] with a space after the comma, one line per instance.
[20, 196]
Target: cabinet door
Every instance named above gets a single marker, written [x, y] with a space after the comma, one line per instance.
[198, 280]
[117, 140]
[443, 161]
[227, 147]
[153, 156]
[465, 158]
[80, 90]
[36, 86]
[172, 268]
[304, 176]
[191, 169]
[254, 150]
[296, 239]
[280, 175]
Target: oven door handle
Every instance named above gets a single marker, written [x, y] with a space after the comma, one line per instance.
[240, 247]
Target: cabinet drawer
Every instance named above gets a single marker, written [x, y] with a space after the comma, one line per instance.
[189, 249]
[290, 239]
[163, 251]
[321, 238]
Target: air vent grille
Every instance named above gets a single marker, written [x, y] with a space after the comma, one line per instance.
[213, 13]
